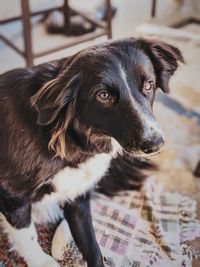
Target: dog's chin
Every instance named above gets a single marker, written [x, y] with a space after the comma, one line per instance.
[133, 153]
[139, 154]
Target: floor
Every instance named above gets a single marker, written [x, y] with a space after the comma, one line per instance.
[178, 112]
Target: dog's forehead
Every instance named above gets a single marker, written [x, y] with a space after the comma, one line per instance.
[115, 57]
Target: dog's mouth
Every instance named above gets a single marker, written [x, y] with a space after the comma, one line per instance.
[133, 153]
[144, 155]
[147, 149]
[138, 153]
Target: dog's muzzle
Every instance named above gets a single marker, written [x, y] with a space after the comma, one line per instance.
[152, 146]
[152, 140]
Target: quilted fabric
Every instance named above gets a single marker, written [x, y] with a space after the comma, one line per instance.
[140, 229]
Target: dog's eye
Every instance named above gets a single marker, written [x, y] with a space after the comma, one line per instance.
[148, 86]
[103, 96]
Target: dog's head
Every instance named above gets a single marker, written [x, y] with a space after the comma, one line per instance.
[107, 91]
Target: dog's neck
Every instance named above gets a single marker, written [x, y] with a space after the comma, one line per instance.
[81, 148]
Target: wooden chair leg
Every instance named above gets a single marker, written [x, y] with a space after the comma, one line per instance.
[66, 12]
[26, 20]
[109, 18]
[153, 8]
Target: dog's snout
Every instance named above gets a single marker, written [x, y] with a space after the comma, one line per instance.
[152, 137]
[152, 146]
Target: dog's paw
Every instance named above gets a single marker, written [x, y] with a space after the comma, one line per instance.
[61, 238]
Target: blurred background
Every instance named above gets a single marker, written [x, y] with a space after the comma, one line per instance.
[36, 31]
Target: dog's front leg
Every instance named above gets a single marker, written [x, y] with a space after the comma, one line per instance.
[22, 234]
[78, 215]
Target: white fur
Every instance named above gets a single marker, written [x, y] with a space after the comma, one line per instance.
[124, 77]
[117, 148]
[25, 242]
[70, 183]
[47, 210]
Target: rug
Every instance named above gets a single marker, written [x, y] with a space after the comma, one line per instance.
[140, 229]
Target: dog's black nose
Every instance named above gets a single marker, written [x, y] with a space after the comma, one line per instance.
[149, 147]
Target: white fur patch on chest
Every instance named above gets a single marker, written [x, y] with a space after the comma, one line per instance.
[70, 182]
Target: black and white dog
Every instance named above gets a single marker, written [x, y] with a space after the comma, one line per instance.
[62, 125]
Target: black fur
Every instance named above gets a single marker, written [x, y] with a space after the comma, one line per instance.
[125, 173]
[79, 219]
[55, 115]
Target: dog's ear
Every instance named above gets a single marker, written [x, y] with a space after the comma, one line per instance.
[54, 104]
[54, 96]
[165, 59]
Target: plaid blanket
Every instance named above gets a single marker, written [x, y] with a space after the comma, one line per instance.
[139, 229]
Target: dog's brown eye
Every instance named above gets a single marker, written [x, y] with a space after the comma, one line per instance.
[103, 96]
[148, 86]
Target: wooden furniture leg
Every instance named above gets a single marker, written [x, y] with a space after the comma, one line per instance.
[26, 21]
[66, 12]
[109, 18]
[153, 8]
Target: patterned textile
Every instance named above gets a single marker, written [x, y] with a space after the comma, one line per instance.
[140, 229]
